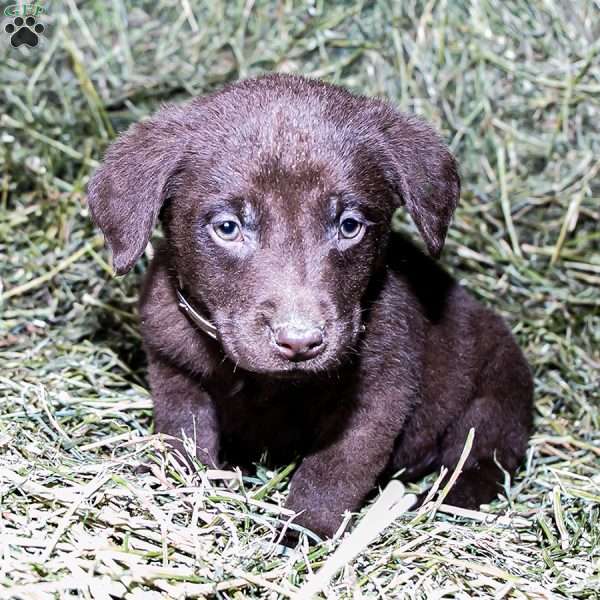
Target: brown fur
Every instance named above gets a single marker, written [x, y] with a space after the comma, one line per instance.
[409, 361]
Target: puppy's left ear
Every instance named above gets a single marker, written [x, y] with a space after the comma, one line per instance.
[422, 171]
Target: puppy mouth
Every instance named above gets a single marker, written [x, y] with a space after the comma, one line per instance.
[293, 373]
[256, 347]
[262, 357]
[247, 356]
[274, 366]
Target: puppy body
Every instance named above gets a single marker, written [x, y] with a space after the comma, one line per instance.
[407, 362]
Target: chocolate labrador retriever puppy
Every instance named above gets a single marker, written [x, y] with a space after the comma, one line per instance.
[282, 316]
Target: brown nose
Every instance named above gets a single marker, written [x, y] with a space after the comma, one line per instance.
[296, 343]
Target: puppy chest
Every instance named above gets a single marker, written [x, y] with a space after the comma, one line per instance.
[280, 425]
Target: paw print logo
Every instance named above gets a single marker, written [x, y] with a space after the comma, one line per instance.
[24, 31]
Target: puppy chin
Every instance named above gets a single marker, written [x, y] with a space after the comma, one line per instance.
[271, 364]
[260, 358]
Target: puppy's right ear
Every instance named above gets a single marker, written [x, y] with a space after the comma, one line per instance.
[126, 193]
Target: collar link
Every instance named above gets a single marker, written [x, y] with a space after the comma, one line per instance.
[186, 307]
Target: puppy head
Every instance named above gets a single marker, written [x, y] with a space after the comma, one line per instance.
[276, 198]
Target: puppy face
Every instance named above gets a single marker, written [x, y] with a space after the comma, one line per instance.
[276, 198]
[280, 248]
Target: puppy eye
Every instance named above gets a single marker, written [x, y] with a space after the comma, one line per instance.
[350, 228]
[228, 230]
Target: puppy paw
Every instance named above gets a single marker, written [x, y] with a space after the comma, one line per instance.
[320, 522]
[292, 535]
[476, 486]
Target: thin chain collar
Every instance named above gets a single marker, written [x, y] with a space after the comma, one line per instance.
[192, 313]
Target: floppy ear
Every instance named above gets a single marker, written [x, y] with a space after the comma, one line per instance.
[126, 193]
[424, 174]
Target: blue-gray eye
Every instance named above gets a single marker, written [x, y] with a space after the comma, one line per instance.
[228, 231]
[350, 228]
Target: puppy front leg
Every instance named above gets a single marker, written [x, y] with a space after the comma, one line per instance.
[339, 476]
[182, 406]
